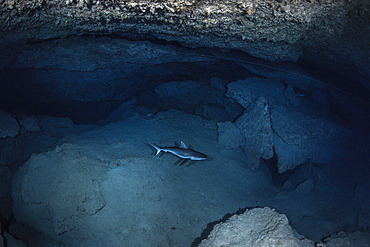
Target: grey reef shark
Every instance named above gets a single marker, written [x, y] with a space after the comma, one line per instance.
[182, 152]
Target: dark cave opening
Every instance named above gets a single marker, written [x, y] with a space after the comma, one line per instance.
[22, 92]
[20, 96]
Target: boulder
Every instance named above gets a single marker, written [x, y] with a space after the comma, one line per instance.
[300, 138]
[249, 90]
[47, 190]
[258, 227]
[276, 119]
[255, 127]
[9, 126]
[233, 109]
[229, 135]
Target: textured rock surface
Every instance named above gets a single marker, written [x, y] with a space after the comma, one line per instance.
[54, 215]
[260, 227]
[265, 227]
[229, 135]
[300, 138]
[296, 128]
[254, 26]
[331, 34]
[255, 127]
[249, 90]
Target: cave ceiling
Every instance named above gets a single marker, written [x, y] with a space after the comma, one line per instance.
[332, 34]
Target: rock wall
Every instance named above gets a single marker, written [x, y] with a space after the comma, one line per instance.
[297, 129]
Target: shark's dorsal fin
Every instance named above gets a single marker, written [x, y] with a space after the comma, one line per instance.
[183, 145]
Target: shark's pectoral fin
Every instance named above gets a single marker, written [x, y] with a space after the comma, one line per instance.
[179, 161]
[191, 162]
[184, 161]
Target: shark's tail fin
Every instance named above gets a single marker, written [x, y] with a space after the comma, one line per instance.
[156, 148]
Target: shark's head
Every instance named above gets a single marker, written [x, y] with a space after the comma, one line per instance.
[198, 156]
[187, 153]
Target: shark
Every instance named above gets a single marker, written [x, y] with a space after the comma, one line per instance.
[182, 152]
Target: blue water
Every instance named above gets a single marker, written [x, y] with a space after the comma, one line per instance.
[96, 182]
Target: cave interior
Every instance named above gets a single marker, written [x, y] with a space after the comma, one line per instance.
[285, 135]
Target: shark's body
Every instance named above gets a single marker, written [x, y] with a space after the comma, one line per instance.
[183, 152]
